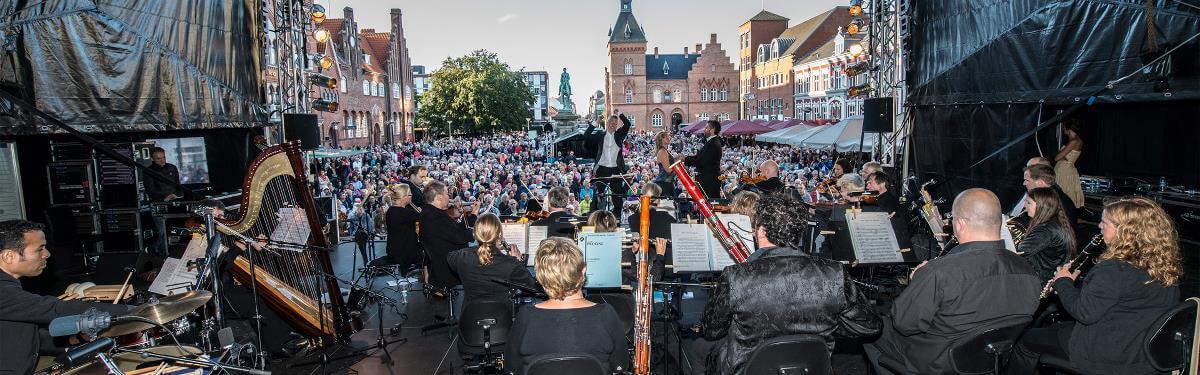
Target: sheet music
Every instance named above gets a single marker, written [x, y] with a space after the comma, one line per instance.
[516, 234]
[174, 277]
[536, 235]
[691, 248]
[873, 239]
[1006, 236]
[602, 251]
[740, 229]
[291, 229]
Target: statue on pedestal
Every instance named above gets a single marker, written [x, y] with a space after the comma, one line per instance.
[564, 91]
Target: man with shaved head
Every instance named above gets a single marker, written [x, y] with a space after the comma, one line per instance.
[976, 286]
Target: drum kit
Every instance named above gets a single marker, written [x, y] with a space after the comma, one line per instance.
[143, 342]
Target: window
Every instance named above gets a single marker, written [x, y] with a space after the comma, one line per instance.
[666, 68]
[712, 94]
[366, 87]
[724, 116]
[628, 96]
[657, 95]
[704, 116]
[703, 94]
[342, 84]
[677, 96]
[724, 93]
[656, 120]
[395, 90]
[628, 68]
[712, 67]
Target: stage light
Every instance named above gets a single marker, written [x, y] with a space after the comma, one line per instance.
[322, 80]
[325, 62]
[859, 90]
[321, 35]
[855, 7]
[324, 105]
[856, 49]
[318, 14]
[857, 69]
[855, 26]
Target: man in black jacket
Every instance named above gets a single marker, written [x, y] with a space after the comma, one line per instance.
[778, 291]
[610, 157]
[440, 234]
[976, 286]
[707, 161]
[558, 199]
[23, 253]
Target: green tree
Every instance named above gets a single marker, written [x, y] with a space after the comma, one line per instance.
[474, 94]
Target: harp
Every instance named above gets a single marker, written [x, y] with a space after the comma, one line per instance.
[293, 274]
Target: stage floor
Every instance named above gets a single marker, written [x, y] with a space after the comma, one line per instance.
[433, 353]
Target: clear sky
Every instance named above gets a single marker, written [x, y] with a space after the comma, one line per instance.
[553, 34]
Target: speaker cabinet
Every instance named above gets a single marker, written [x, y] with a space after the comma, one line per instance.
[302, 127]
[878, 115]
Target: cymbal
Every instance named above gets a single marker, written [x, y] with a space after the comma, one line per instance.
[165, 310]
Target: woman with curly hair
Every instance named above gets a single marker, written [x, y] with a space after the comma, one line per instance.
[1135, 281]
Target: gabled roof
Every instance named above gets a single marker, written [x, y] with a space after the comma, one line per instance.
[768, 16]
[825, 50]
[627, 28]
[675, 66]
[376, 44]
[334, 26]
[811, 28]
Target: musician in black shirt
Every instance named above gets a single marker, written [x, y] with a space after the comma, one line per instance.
[888, 201]
[440, 235]
[558, 198]
[1135, 281]
[1049, 240]
[492, 259]
[567, 322]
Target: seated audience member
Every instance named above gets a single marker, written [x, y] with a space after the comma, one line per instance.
[567, 322]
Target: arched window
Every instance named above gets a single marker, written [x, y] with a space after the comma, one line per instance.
[628, 95]
[395, 90]
[656, 120]
[628, 68]
[724, 93]
[712, 93]
[366, 87]
[703, 94]
[657, 95]
[677, 96]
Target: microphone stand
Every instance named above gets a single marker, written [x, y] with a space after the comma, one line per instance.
[381, 343]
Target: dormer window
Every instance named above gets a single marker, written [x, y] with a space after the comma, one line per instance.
[627, 31]
[666, 69]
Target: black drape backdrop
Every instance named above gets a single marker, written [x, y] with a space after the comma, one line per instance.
[982, 73]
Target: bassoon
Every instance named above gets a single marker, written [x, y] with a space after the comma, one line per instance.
[643, 299]
[737, 250]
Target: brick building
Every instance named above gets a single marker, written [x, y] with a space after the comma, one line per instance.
[657, 90]
[375, 83]
[822, 84]
[768, 49]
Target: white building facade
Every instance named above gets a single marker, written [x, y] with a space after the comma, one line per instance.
[822, 85]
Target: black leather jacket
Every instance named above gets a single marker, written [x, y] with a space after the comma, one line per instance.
[1045, 248]
[781, 291]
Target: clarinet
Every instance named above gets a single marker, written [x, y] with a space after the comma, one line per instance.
[1084, 256]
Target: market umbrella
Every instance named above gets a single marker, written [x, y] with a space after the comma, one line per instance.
[744, 127]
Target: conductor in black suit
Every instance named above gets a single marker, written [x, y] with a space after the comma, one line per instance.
[708, 161]
[610, 159]
[558, 199]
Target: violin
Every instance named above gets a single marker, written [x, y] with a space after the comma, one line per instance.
[753, 180]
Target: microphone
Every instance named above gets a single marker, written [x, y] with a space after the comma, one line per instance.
[82, 353]
[91, 322]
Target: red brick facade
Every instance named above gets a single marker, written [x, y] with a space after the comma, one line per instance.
[655, 97]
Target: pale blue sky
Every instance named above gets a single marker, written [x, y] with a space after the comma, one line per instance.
[550, 35]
